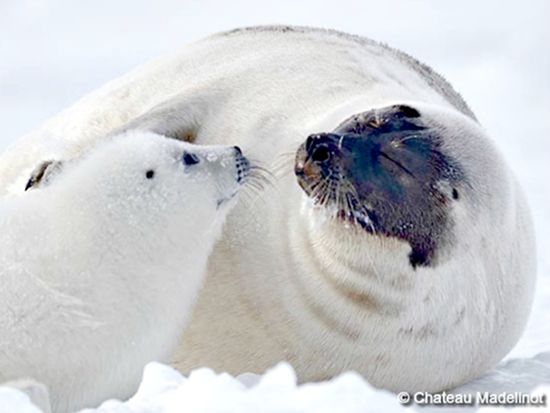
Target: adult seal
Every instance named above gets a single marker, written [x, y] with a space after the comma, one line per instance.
[394, 241]
[95, 283]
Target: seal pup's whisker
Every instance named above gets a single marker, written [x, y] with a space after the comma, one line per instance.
[258, 188]
[284, 164]
[263, 172]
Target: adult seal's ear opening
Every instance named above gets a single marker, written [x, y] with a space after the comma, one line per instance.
[386, 171]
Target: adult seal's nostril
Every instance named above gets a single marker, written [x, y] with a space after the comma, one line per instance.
[189, 159]
[321, 147]
[320, 154]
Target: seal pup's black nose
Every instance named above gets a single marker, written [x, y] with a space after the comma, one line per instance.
[242, 164]
[189, 159]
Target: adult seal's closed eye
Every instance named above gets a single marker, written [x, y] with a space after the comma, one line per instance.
[395, 240]
[94, 281]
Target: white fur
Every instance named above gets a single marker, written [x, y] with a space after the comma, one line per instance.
[285, 282]
[100, 267]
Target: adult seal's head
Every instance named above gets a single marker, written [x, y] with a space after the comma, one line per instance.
[388, 171]
[415, 224]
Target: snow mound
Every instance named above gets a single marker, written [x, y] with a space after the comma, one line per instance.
[15, 401]
[165, 390]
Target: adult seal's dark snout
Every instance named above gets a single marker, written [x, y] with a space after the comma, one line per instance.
[386, 171]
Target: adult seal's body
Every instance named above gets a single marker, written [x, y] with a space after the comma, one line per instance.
[95, 283]
[395, 241]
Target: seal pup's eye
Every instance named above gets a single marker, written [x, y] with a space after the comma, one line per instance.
[150, 174]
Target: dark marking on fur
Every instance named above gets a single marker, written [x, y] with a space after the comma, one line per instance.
[429, 330]
[42, 173]
[188, 134]
[460, 316]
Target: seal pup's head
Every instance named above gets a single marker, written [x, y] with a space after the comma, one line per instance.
[393, 172]
[147, 174]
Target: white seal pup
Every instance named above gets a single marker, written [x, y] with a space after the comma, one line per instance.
[100, 266]
[397, 243]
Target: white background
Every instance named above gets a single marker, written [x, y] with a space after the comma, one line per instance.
[496, 53]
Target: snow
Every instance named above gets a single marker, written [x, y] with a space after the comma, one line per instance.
[15, 401]
[495, 53]
[521, 375]
[165, 390]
